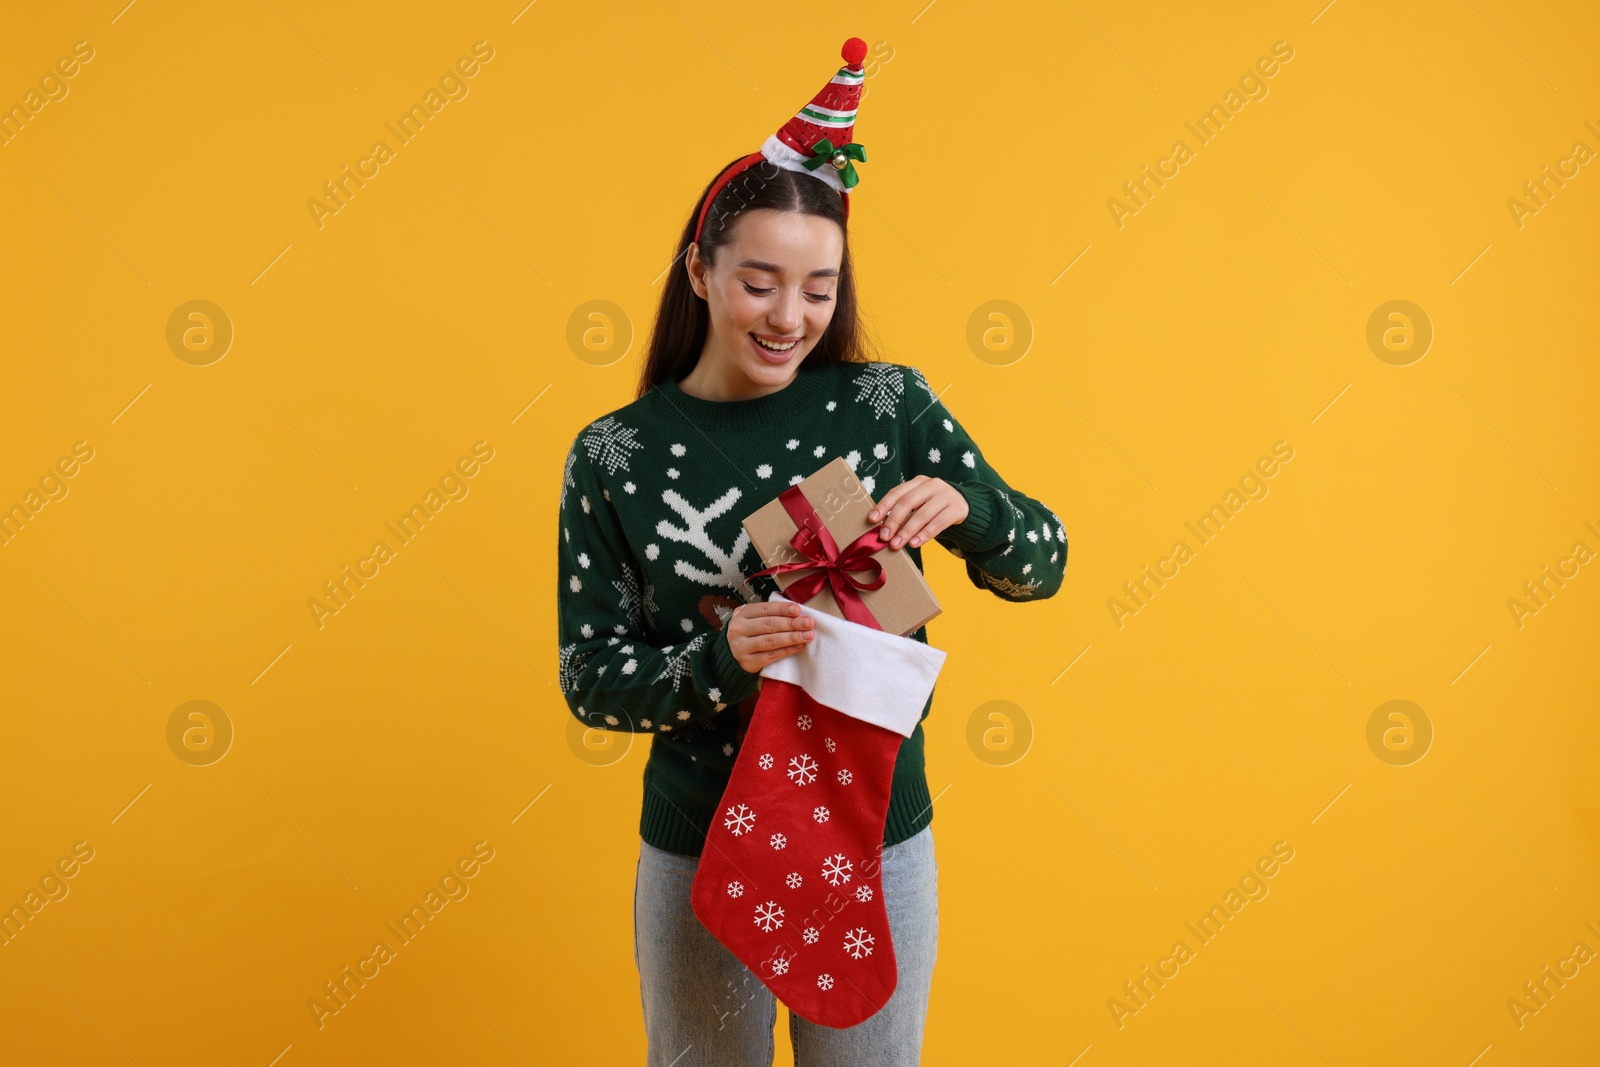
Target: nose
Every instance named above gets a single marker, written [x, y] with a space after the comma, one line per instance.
[787, 316]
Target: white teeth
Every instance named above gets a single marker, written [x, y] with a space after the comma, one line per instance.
[775, 348]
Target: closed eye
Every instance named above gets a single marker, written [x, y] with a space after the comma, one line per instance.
[816, 298]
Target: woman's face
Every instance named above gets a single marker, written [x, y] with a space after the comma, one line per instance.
[774, 282]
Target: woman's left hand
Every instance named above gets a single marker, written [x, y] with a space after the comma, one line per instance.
[917, 511]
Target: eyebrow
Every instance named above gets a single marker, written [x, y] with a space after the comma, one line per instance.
[761, 264]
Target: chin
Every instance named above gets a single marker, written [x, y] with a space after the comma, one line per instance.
[760, 367]
[769, 374]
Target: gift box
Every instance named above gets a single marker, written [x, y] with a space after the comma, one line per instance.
[823, 552]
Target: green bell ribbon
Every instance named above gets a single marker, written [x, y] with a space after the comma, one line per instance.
[823, 152]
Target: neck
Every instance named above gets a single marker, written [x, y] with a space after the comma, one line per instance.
[717, 377]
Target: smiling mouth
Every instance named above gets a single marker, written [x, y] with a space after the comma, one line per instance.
[775, 347]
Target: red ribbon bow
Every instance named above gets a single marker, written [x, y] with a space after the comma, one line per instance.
[823, 557]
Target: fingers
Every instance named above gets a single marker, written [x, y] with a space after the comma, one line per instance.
[779, 637]
[889, 504]
[753, 659]
[924, 524]
[761, 659]
[769, 607]
[773, 617]
[904, 510]
[763, 632]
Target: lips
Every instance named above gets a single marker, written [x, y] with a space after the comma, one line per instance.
[775, 357]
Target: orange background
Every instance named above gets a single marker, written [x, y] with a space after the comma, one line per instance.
[1137, 373]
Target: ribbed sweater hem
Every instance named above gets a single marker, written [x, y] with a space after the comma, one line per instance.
[982, 529]
[736, 682]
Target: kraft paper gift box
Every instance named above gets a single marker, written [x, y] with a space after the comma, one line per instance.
[837, 498]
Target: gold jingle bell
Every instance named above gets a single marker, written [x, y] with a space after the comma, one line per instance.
[839, 161]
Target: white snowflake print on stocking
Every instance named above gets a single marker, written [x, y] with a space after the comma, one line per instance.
[858, 943]
[822, 828]
[769, 916]
[802, 769]
[740, 820]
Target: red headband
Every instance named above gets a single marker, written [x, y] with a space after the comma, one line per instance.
[733, 171]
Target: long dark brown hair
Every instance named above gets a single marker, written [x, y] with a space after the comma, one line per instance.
[683, 319]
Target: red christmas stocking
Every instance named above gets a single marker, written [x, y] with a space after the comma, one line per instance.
[789, 879]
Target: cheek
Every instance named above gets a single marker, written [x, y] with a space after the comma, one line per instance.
[739, 310]
[818, 317]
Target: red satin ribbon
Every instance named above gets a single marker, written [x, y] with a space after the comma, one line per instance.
[813, 541]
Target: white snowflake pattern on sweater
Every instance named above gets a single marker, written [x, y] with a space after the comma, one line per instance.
[881, 385]
[571, 667]
[647, 559]
[566, 477]
[634, 602]
[678, 665]
[608, 442]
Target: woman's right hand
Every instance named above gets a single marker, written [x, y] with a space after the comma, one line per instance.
[764, 632]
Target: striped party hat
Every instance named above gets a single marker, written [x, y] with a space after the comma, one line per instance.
[819, 140]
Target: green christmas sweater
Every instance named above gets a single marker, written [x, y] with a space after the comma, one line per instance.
[653, 559]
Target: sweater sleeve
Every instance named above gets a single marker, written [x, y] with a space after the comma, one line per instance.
[1013, 545]
[612, 677]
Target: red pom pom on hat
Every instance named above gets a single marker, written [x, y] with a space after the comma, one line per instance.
[854, 51]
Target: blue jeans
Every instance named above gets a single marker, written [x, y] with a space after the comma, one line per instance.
[704, 1008]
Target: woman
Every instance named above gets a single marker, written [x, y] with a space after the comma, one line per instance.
[660, 632]
[756, 377]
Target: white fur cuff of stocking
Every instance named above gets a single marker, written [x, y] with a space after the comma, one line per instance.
[868, 674]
